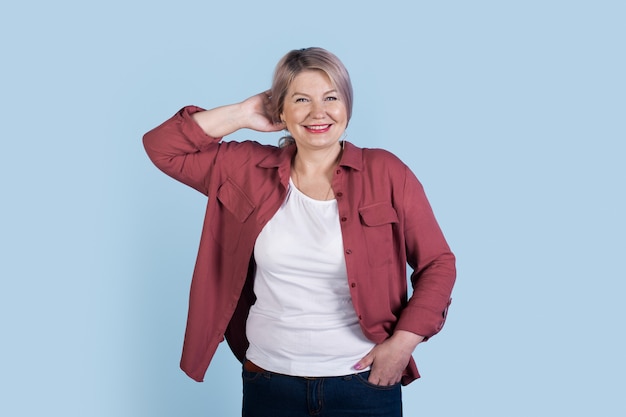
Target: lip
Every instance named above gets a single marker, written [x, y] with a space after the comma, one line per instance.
[322, 128]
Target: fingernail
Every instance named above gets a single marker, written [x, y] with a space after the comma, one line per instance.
[357, 366]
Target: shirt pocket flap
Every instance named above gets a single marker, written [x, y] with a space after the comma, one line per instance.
[378, 214]
[235, 200]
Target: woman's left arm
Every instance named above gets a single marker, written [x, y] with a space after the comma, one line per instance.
[432, 261]
[433, 277]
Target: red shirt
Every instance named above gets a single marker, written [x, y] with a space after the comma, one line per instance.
[386, 223]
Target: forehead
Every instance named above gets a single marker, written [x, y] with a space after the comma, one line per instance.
[311, 80]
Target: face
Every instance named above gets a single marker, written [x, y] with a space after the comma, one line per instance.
[313, 111]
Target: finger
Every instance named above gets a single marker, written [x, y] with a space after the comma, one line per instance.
[378, 379]
[373, 379]
[364, 363]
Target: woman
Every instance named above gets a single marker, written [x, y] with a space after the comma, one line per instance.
[302, 259]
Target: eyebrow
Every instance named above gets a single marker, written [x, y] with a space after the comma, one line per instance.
[295, 93]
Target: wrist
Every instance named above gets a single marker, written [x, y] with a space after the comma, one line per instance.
[407, 340]
[240, 116]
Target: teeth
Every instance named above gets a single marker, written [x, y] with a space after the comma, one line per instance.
[318, 127]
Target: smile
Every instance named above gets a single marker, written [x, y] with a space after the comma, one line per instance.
[318, 128]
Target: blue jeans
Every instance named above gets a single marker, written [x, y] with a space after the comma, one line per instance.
[266, 394]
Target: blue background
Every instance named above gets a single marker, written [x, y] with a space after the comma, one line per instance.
[512, 114]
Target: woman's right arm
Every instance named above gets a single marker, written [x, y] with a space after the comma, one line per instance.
[185, 146]
[252, 113]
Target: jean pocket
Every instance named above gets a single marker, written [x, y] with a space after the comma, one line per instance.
[249, 376]
[363, 376]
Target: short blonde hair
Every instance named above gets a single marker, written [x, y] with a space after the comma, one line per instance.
[299, 60]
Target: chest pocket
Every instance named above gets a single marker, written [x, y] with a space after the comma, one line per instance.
[378, 221]
[233, 209]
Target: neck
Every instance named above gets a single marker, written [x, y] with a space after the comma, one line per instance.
[313, 172]
[314, 163]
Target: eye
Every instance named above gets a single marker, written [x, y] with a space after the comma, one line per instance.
[301, 100]
[331, 98]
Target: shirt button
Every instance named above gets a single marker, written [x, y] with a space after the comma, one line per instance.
[348, 251]
[360, 318]
[339, 194]
[344, 218]
[338, 171]
[353, 284]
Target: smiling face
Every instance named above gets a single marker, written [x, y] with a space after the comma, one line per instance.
[314, 111]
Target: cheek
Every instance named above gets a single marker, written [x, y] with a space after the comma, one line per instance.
[293, 115]
[338, 113]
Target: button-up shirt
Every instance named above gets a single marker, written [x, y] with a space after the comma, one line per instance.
[386, 224]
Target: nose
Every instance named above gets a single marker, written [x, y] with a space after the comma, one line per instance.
[317, 109]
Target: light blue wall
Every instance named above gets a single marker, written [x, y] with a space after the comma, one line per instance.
[511, 113]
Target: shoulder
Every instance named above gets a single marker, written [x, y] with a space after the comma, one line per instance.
[384, 167]
[250, 146]
[246, 150]
[380, 154]
[382, 159]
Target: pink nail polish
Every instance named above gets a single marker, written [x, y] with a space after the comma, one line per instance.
[357, 366]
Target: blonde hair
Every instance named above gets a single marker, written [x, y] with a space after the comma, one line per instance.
[299, 60]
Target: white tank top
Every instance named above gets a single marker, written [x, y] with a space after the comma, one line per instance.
[303, 322]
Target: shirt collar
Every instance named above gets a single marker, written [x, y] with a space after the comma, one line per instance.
[281, 160]
[351, 157]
